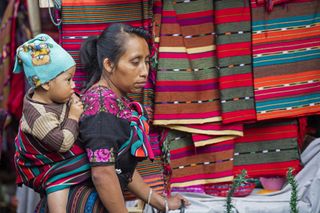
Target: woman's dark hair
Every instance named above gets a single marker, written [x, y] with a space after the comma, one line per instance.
[110, 44]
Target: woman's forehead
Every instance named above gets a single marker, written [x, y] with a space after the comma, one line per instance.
[136, 45]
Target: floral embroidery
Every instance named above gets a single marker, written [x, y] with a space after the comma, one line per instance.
[100, 155]
[102, 99]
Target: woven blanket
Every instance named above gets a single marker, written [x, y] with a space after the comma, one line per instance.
[268, 149]
[194, 168]
[187, 85]
[233, 42]
[286, 65]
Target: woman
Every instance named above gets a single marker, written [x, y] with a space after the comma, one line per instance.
[113, 129]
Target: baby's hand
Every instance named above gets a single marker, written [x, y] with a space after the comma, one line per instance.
[76, 108]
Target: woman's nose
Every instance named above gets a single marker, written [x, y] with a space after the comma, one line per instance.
[144, 70]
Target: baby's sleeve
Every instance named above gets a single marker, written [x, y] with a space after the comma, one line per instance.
[53, 135]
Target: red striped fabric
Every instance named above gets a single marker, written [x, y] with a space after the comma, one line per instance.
[233, 26]
[268, 149]
[187, 84]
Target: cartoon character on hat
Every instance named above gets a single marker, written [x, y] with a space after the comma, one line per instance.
[42, 59]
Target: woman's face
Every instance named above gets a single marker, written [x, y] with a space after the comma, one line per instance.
[131, 73]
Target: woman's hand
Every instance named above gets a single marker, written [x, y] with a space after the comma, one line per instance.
[177, 201]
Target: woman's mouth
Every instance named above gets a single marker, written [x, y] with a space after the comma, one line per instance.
[140, 84]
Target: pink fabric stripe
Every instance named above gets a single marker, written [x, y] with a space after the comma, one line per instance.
[191, 82]
[186, 55]
[201, 177]
[168, 13]
[195, 14]
[186, 116]
[216, 126]
[228, 11]
[260, 49]
[287, 91]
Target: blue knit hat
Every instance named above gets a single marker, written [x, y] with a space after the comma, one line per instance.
[42, 60]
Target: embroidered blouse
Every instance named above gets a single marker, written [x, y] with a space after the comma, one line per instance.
[108, 130]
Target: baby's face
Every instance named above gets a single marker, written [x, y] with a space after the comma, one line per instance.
[61, 88]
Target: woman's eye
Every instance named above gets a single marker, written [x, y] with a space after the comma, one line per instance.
[136, 62]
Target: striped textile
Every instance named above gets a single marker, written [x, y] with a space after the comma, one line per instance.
[269, 4]
[82, 198]
[11, 96]
[139, 135]
[50, 124]
[7, 21]
[187, 82]
[268, 149]
[187, 86]
[233, 41]
[152, 172]
[48, 157]
[83, 18]
[205, 134]
[194, 168]
[286, 65]
[47, 172]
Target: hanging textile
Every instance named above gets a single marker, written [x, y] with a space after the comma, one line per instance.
[269, 4]
[85, 18]
[268, 149]
[195, 168]
[233, 38]
[187, 86]
[7, 54]
[286, 65]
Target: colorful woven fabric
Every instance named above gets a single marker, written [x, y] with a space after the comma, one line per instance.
[90, 17]
[268, 149]
[213, 132]
[152, 172]
[82, 198]
[187, 82]
[233, 41]
[269, 4]
[52, 171]
[187, 86]
[6, 47]
[11, 34]
[286, 65]
[141, 147]
[194, 168]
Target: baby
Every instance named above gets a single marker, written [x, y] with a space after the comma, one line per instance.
[48, 157]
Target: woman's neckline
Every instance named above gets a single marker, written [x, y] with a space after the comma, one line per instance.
[108, 88]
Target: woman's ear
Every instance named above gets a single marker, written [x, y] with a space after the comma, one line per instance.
[108, 65]
[45, 86]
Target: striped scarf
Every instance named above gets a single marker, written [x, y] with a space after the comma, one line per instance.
[139, 138]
